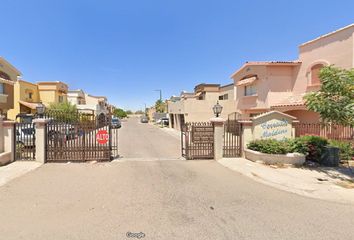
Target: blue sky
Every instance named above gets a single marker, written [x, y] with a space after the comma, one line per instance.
[127, 49]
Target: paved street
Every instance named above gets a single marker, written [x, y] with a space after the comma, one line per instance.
[162, 199]
[142, 141]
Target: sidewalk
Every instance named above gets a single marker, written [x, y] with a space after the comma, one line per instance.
[171, 131]
[321, 183]
[16, 169]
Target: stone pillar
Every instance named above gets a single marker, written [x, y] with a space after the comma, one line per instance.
[2, 146]
[9, 138]
[218, 137]
[293, 131]
[247, 135]
[40, 125]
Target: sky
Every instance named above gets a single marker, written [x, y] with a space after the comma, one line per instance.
[126, 50]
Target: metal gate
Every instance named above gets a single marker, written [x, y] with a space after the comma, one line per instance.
[25, 134]
[80, 137]
[232, 138]
[197, 140]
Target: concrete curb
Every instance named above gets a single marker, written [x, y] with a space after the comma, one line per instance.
[295, 180]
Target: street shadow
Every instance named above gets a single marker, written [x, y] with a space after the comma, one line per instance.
[336, 173]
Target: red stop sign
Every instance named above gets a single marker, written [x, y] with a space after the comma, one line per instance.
[102, 136]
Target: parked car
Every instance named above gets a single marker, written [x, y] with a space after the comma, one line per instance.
[25, 131]
[165, 121]
[25, 135]
[116, 123]
[64, 131]
[144, 119]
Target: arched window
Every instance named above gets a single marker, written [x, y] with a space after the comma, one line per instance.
[315, 74]
[4, 76]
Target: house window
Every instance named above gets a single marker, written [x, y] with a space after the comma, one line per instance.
[224, 97]
[250, 90]
[61, 99]
[30, 95]
[2, 88]
[315, 74]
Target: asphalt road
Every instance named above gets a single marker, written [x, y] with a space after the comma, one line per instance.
[163, 200]
[142, 141]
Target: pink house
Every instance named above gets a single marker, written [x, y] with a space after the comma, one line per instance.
[281, 85]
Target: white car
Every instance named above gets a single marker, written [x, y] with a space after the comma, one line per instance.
[25, 135]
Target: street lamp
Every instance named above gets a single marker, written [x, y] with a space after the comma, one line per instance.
[217, 109]
[40, 109]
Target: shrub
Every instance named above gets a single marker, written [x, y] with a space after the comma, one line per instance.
[312, 146]
[270, 146]
[346, 149]
[299, 146]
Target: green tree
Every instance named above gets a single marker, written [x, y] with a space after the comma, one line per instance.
[120, 113]
[64, 107]
[129, 112]
[65, 112]
[335, 100]
[160, 106]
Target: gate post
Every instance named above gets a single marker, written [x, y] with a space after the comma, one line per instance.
[9, 138]
[2, 137]
[247, 135]
[40, 125]
[218, 124]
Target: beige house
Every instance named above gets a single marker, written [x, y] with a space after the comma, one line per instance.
[8, 77]
[198, 106]
[76, 97]
[265, 86]
[98, 104]
[52, 92]
[88, 103]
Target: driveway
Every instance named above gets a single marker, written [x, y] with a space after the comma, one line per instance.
[142, 141]
[163, 200]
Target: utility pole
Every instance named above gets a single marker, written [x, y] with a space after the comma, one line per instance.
[159, 90]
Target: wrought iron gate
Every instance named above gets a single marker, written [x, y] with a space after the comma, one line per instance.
[25, 134]
[232, 138]
[80, 137]
[197, 140]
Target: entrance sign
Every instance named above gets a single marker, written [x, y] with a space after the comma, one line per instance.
[102, 136]
[202, 134]
[273, 125]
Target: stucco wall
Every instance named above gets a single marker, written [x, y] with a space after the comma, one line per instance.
[176, 107]
[305, 116]
[274, 84]
[48, 97]
[336, 49]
